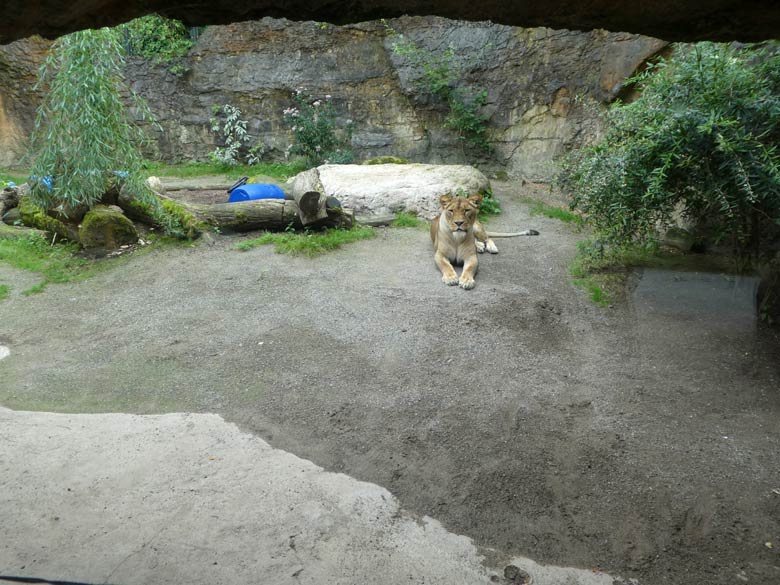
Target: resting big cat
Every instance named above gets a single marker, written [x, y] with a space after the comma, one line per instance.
[457, 237]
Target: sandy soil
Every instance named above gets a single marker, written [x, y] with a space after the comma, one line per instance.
[634, 439]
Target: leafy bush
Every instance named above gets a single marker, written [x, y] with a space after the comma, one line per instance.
[314, 126]
[700, 140]
[438, 74]
[84, 140]
[159, 40]
[490, 205]
[232, 132]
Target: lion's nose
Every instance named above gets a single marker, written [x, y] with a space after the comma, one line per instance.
[458, 223]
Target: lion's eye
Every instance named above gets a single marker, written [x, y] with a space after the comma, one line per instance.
[449, 212]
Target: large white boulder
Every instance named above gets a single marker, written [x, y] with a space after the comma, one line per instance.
[383, 189]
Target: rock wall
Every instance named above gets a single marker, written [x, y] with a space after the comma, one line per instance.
[544, 88]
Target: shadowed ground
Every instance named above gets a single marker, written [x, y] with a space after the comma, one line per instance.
[634, 439]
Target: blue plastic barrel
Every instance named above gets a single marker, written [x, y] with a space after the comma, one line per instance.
[252, 191]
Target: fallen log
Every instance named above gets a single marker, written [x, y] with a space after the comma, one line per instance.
[260, 214]
[264, 214]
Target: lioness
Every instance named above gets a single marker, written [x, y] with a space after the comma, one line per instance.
[458, 236]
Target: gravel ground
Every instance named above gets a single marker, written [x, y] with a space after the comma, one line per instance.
[634, 439]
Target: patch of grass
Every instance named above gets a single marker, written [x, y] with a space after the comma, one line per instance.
[34, 290]
[309, 244]
[61, 263]
[277, 170]
[18, 176]
[405, 220]
[552, 211]
[5, 290]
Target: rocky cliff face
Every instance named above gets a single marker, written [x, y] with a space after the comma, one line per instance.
[544, 88]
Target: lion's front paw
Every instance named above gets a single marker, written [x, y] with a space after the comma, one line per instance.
[466, 283]
[451, 279]
[480, 247]
[491, 247]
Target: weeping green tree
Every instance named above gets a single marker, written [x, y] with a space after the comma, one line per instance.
[84, 141]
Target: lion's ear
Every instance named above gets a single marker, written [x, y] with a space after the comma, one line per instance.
[445, 200]
[475, 199]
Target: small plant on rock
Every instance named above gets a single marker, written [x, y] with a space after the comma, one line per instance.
[318, 138]
[231, 130]
[439, 73]
[158, 39]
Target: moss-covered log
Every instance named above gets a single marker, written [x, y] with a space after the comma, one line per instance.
[12, 232]
[261, 214]
[36, 217]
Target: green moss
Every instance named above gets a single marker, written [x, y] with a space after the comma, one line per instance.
[386, 160]
[36, 217]
[180, 222]
[103, 227]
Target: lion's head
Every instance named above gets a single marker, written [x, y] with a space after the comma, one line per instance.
[460, 212]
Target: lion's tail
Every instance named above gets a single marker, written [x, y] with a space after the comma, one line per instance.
[512, 234]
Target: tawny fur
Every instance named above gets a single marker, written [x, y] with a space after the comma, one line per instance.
[457, 237]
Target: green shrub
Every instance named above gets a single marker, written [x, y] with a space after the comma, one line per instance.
[158, 39]
[231, 131]
[700, 140]
[84, 139]
[315, 129]
[490, 205]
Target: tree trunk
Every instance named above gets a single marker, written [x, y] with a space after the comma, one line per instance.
[309, 195]
[264, 214]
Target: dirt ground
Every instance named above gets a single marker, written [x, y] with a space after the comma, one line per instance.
[638, 439]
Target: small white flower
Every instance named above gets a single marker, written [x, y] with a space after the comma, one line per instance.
[327, 97]
[317, 103]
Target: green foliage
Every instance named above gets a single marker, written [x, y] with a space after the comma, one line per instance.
[307, 243]
[231, 130]
[158, 39]
[314, 125]
[490, 206]
[5, 290]
[83, 136]
[405, 219]
[701, 139]
[438, 73]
